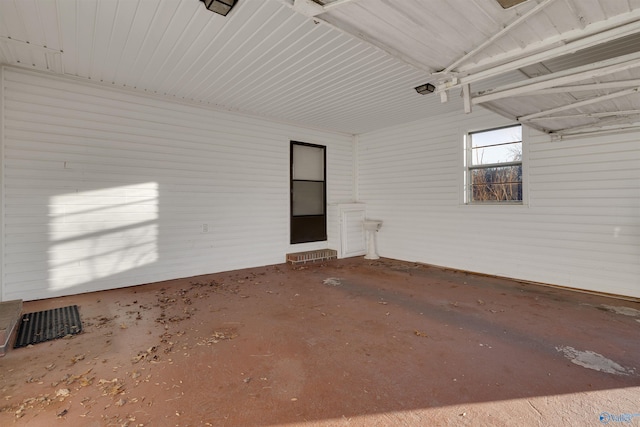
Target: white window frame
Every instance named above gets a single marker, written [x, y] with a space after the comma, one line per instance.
[467, 162]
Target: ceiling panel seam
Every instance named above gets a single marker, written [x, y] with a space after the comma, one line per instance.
[170, 54]
[379, 46]
[254, 65]
[228, 29]
[142, 46]
[283, 74]
[205, 91]
[310, 83]
[128, 92]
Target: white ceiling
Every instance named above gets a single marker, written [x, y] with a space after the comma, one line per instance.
[350, 65]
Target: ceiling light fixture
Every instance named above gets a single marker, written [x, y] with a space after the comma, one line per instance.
[425, 89]
[221, 7]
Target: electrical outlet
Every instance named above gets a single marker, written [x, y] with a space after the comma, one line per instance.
[205, 228]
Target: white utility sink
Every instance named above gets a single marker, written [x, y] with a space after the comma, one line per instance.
[371, 226]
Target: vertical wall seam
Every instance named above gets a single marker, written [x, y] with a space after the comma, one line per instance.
[355, 190]
[2, 181]
[526, 142]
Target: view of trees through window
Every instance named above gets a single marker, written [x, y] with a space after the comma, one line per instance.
[494, 165]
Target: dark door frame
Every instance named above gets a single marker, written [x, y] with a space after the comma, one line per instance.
[308, 228]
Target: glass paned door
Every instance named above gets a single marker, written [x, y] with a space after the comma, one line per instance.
[308, 193]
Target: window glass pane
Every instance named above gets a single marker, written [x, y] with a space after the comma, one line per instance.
[496, 184]
[496, 154]
[308, 198]
[496, 136]
[308, 162]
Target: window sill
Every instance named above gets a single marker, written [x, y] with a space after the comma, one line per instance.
[501, 205]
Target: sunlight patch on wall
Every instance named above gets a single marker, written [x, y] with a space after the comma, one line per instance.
[100, 233]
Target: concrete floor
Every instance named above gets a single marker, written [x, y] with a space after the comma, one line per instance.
[350, 342]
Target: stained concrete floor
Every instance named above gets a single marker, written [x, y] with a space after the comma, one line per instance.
[345, 343]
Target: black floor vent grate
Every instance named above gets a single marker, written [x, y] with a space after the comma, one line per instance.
[48, 325]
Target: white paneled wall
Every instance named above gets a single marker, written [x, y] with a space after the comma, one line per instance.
[105, 188]
[580, 228]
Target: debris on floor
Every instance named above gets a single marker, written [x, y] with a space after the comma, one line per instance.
[592, 360]
[147, 354]
[217, 336]
[332, 281]
[231, 348]
[626, 311]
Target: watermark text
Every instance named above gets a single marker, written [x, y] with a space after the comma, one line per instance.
[606, 418]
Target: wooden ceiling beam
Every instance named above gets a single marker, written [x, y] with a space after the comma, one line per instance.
[618, 114]
[562, 44]
[578, 104]
[337, 3]
[311, 8]
[504, 31]
[354, 33]
[530, 86]
[594, 128]
[584, 43]
[618, 84]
